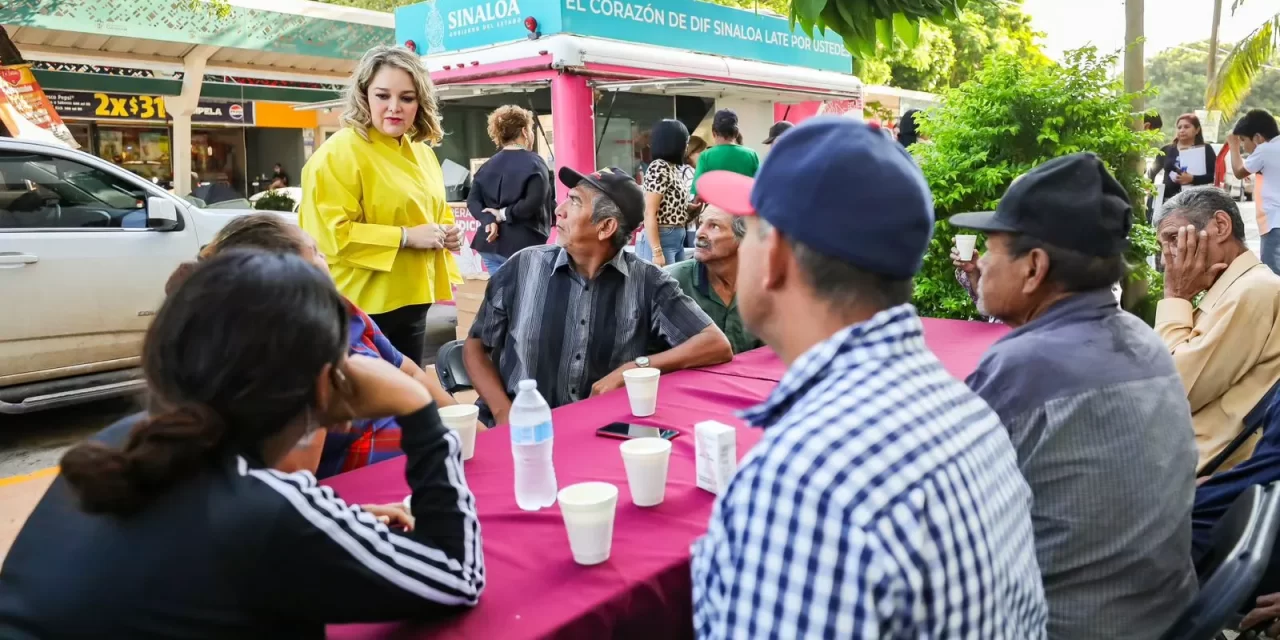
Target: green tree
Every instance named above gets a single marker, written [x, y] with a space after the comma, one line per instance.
[1015, 115]
[864, 25]
[1178, 76]
[949, 53]
[924, 67]
[987, 28]
[1251, 58]
[780, 8]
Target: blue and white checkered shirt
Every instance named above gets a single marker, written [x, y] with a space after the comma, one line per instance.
[884, 501]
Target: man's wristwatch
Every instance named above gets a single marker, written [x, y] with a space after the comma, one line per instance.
[642, 362]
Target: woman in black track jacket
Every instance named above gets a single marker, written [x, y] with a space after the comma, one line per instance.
[173, 524]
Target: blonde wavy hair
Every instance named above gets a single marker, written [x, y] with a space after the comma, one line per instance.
[507, 122]
[426, 123]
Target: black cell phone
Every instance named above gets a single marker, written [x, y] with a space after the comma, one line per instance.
[624, 431]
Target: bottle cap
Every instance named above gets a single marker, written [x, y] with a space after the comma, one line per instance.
[528, 385]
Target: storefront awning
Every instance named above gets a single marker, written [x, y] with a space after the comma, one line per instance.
[446, 92]
[718, 89]
[283, 40]
[458, 91]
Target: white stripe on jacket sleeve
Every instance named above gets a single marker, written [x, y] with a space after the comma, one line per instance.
[417, 568]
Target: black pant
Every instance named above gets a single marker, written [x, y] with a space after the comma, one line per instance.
[406, 328]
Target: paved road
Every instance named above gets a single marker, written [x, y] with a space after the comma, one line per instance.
[33, 442]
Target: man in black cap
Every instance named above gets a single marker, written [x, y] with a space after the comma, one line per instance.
[780, 127]
[1092, 402]
[574, 315]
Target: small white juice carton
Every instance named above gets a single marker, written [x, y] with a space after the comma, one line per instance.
[716, 447]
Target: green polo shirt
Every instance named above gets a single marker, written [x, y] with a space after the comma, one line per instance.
[694, 281]
[727, 157]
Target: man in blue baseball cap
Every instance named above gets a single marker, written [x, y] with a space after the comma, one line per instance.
[884, 500]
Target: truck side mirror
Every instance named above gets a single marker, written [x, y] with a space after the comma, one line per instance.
[162, 214]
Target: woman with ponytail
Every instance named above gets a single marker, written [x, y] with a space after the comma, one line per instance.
[173, 524]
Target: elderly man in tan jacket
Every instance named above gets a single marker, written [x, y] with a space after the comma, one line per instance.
[1226, 346]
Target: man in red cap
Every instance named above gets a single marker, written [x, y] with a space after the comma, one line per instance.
[884, 499]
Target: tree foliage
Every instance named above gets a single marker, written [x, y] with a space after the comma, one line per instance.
[1246, 63]
[949, 53]
[1178, 76]
[1013, 115]
[987, 28]
[866, 24]
[924, 67]
[275, 201]
[780, 8]
[216, 8]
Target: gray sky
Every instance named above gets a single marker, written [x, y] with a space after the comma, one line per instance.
[1068, 24]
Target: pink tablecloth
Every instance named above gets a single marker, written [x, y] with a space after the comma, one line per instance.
[959, 344]
[534, 589]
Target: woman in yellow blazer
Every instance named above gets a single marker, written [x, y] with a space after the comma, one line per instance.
[373, 198]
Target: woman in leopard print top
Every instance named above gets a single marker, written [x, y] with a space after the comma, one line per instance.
[666, 196]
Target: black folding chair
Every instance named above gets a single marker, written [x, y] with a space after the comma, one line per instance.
[450, 369]
[1232, 568]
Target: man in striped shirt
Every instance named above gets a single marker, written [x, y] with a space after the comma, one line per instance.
[573, 316]
[884, 500]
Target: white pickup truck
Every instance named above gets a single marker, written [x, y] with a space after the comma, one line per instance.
[85, 250]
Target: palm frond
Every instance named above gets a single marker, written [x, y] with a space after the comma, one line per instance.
[1235, 78]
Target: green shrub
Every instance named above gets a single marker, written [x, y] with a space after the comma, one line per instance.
[275, 201]
[1012, 116]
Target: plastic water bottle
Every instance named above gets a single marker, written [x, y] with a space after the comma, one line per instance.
[531, 443]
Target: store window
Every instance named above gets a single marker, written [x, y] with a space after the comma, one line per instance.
[623, 123]
[620, 143]
[465, 122]
[218, 162]
[80, 132]
[142, 150]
